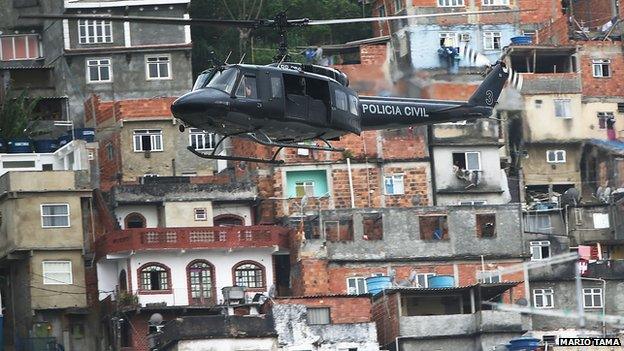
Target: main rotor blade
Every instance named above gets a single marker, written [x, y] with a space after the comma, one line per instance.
[159, 20]
[392, 18]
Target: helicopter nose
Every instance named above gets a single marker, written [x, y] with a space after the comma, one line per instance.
[189, 104]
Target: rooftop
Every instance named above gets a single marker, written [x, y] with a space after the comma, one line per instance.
[488, 291]
[614, 146]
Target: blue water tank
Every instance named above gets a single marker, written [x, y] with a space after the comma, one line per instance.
[441, 281]
[524, 343]
[522, 40]
[45, 146]
[3, 145]
[20, 146]
[377, 284]
[87, 134]
[64, 139]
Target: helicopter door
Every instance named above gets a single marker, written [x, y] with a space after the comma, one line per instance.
[297, 103]
[274, 103]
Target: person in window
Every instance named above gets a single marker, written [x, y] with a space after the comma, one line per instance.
[247, 87]
[611, 128]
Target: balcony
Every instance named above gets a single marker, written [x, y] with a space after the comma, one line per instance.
[551, 83]
[123, 241]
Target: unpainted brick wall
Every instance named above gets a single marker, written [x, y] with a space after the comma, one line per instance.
[342, 309]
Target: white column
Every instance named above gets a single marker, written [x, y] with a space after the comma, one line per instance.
[187, 31]
[66, 43]
[127, 41]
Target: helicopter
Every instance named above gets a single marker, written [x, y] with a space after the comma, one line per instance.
[288, 105]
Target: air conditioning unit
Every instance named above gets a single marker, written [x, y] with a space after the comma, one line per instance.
[303, 152]
[620, 106]
[465, 37]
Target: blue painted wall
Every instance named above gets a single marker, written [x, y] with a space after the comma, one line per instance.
[425, 42]
[318, 177]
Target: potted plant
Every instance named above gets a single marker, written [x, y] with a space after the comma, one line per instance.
[18, 121]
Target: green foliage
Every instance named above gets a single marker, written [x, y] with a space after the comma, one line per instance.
[264, 41]
[17, 115]
[125, 298]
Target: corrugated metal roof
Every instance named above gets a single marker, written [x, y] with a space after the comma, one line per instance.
[319, 296]
[611, 145]
[491, 289]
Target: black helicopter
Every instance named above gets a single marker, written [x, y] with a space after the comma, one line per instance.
[287, 104]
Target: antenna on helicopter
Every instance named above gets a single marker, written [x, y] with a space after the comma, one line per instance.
[228, 57]
[242, 58]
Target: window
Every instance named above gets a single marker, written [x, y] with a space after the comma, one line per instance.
[601, 68]
[563, 108]
[450, 3]
[356, 286]
[154, 277]
[556, 156]
[538, 223]
[473, 203]
[540, 250]
[200, 140]
[110, 151]
[543, 298]
[422, 279]
[373, 226]
[491, 40]
[247, 87]
[19, 47]
[592, 298]
[99, 70]
[276, 87]
[488, 277]
[304, 188]
[398, 5]
[341, 100]
[95, 31]
[201, 214]
[538, 103]
[55, 216]
[382, 11]
[338, 230]
[57, 272]
[449, 39]
[318, 315]
[486, 225]
[249, 275]
[148, 140]
[200, 282]
[433, 228]
[495, 2]
[158, 67]
[135, 220]
[394, 184]
[470, 161]
[354, 105]
[605, 119]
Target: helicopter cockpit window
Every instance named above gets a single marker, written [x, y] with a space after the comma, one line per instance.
[247, 88]
[201, 80]
[224, 80]
[353, 105]
[341, 100]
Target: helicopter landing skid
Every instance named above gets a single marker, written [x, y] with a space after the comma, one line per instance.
[268, 142]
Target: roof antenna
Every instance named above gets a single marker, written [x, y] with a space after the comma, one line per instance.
[227, 58]
[242, 58]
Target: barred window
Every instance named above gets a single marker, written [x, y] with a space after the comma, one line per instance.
[249, 275]
[154, 277]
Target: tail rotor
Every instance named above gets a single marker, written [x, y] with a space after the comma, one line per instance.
[476, 58]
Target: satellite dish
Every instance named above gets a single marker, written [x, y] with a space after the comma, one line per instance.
[155, 319]
[571, 197]
[522, 302]
[304, 202]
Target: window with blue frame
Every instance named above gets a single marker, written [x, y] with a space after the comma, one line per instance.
[310, 183]
[393, 184]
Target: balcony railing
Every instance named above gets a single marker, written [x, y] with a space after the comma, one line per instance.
[193, 237]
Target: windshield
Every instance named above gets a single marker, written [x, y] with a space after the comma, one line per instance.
[202, 80]
[223, 80]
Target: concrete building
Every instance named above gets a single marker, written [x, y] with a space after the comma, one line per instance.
[45, 220]
[451, 318]
[172, 247]
[409, 244]
[325, 322]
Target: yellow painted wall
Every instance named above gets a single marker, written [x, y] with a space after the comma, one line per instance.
[58, 295]
[590, 112]
[538, 172]
[182, 214]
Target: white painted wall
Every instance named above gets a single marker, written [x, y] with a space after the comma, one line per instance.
[177, 261]
[182, 214]
[72, 156]
[107, 277]
[150, 212]
[239, 210]
[251, 344]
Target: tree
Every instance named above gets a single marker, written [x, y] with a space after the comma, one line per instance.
[17, 115]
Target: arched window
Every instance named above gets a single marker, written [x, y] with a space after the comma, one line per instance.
[200, 275]
[249, 274]
[154, 277]
[135, 220]
[123, 281]
[228, 220]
